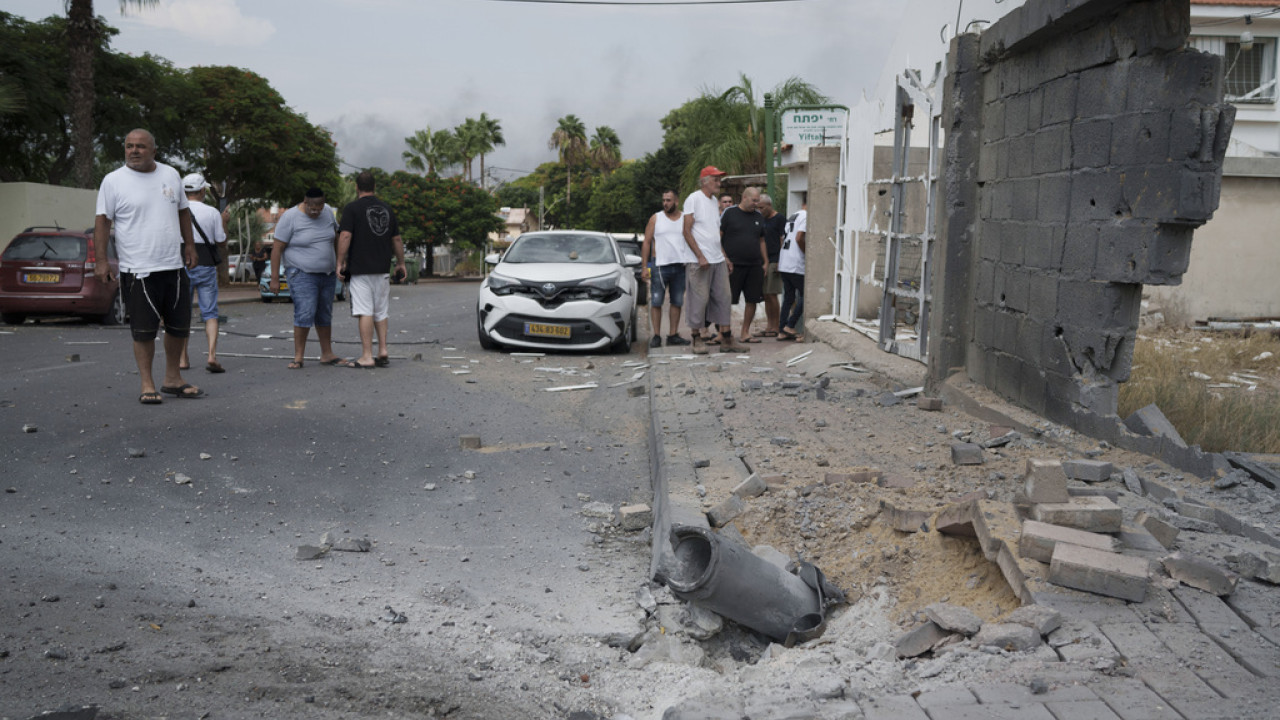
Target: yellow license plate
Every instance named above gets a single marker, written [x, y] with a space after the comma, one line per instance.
[284, 285]
[40, 277]
[548, 330]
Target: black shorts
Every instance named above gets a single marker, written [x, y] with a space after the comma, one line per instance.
[747, 280]
[163, 296]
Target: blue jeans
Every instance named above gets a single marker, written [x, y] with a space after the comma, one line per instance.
[204, 287]
[665, 279]
[312, 295]
[792, 299]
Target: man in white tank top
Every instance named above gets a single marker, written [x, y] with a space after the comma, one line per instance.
[664, 242]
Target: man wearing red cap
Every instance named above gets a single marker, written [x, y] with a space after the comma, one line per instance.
[707, 281]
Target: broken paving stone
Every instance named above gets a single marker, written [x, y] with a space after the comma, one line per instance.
[1007, 636]
[137, 452]
[904, 520]
[469, 442]
[753, 486]
[1038, 540]
[954, 618]
[1099, 572]
[1002, 440]
[963, 453]
[181, 479]
[725, 512]
[1151, 422]
[783, 441]
[701, 463]
[598, 509]
[1265, 568]
[1132, 482]
[1094, 514]
[1200, 574]
[1230, 480]
[635, 391]
[309, 552]
[932, 404]
[887, 399]
[920, 640]
[752, 384]
[957, 519]
[895, 482]
[635, 517]
[353, 545]
[1045, 482]
[1043, 620]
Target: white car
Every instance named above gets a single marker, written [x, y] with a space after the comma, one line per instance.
[559, 290]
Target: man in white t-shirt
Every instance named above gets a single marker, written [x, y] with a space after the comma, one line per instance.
[211, 247]
[144, 204]
[664, 244]
[707, 296]
[791, 268]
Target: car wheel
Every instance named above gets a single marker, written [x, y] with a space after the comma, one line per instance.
[13, 318]
[622, 345]
[486, 342]
[115, 314]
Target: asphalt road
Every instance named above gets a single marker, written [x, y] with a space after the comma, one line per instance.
[166, 584]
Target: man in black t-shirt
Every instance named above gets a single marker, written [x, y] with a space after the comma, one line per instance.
[367, 238]
[742, 237]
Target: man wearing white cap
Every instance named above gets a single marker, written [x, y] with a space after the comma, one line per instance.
[211, 243]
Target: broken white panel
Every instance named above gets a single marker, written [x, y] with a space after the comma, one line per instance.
[563, 388]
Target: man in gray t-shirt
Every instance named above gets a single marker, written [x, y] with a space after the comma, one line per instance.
[304, 245]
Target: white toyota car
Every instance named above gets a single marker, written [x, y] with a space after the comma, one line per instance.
[559, 290]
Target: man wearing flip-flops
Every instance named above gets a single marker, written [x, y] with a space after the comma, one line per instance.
[368, 238]
[144, 204]
[707, 280]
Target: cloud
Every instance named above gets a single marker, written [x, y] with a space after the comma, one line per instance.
[219, 22]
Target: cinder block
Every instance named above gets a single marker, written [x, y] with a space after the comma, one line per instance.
[920, 640]
[967, 454]
[725, 512]
[1088, 470]
[1099, 572]
[1095, 514]
[1038, 540]
[1200, 574]
[1045, 482]
[753, 486]
[635, 517]
[1043, 620]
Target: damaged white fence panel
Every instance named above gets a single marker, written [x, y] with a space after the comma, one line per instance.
[799, 358]
[563, 388]
[909, 392]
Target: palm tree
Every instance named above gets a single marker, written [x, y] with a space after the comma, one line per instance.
[570, 139]
[606, 149]
[472, 141]
[429, 151]
[82, 40]
[731, 125]
[491, 130]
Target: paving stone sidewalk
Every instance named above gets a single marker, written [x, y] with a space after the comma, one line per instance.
[1181, 653]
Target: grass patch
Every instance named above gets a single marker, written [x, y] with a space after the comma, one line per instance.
[1215, 418]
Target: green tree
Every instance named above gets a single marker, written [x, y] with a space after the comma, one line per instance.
[570, 140]
[83, 34]
[430, 151]
[615, 204]
[254, 143]
[606, 150]
[491, 130]
[436, 211]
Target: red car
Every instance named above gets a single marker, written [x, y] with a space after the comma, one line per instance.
[49, 271]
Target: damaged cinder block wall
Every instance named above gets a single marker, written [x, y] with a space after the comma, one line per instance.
[1084, 145]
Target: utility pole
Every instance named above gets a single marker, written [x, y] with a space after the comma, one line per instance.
[542, 192]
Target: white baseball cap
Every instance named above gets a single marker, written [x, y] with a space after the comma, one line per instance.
[194, 183]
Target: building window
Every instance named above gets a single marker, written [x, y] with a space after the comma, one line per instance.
[1250, 75]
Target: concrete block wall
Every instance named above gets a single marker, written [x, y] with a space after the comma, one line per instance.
[1092, 142]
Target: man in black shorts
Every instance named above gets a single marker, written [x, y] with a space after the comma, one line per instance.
[144, 203]
[742, 237]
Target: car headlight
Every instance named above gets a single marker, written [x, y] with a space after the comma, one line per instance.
[501, 284]
[604, 283]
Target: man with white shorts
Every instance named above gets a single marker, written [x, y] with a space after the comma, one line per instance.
[368, 236]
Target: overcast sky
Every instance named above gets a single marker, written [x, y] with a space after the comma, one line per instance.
[373, 71]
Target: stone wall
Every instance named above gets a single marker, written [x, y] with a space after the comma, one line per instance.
[1084, 145]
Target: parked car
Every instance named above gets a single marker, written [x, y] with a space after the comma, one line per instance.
[564, 289]
[264, 288]
[239, 268]
[49, 271]
[632, 244]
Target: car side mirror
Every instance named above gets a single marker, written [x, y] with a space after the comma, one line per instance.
[492, 258]
[632, 260]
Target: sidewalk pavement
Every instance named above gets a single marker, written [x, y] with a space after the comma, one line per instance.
[1182, 653]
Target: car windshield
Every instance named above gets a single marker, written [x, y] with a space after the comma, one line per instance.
[47, 247]
[561, 249]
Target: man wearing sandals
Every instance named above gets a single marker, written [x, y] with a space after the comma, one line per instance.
[742, 236]
[143, 203]
[370, 234]
[707, 280]
[211, 242]
[304, 236]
